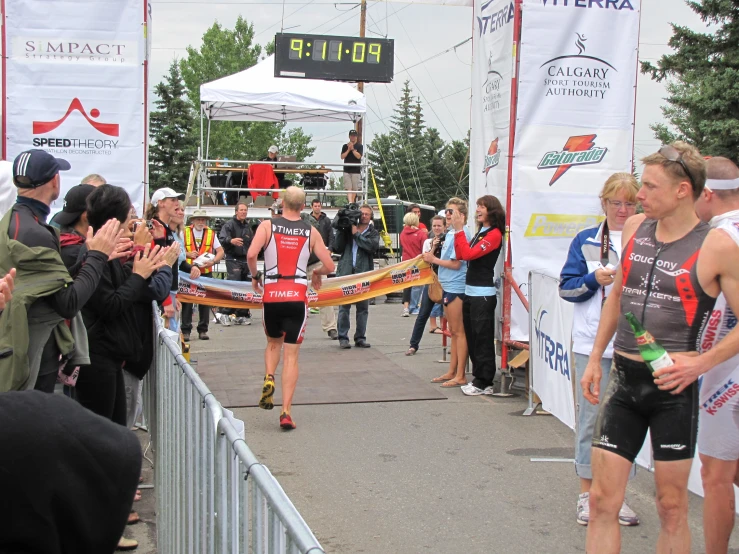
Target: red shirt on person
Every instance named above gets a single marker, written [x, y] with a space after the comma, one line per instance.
[411, 241]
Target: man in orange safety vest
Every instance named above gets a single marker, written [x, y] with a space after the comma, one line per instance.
[202, 249]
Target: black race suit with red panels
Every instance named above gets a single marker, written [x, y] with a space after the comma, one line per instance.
[285, 297]
[661, 288]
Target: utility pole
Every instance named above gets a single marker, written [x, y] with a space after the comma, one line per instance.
[360, 85]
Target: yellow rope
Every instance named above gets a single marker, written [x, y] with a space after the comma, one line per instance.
[384, 235]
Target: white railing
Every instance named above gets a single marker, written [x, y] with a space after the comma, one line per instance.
[213, 495]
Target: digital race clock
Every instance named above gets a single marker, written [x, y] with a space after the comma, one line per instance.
[333, 58]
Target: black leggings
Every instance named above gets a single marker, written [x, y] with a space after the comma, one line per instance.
[478, 315]
[100, 388]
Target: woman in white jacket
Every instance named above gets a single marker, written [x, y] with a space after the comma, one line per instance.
[586, 280]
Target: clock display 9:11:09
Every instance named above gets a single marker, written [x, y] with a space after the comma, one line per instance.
[335, 50]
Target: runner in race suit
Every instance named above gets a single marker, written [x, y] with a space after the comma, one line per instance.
[661, 288]
[285, 297]
[718, 428]
[288, 243]
[719, 388]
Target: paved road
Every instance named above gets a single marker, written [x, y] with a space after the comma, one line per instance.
[430, 476]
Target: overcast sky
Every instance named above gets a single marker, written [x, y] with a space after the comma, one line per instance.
[420, 32]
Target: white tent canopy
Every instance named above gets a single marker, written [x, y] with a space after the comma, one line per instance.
[255, 94]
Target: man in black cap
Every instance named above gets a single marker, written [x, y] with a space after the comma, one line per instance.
[36, 175]
[351, 153]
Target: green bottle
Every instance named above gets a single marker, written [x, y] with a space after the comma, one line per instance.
[655, 356]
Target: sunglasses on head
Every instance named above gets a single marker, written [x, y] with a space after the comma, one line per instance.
[673, 155]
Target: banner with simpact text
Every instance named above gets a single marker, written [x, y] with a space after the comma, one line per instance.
[333, 292]
[574, 127]
[74, 77]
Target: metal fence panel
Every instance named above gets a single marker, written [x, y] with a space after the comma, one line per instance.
[213, 495]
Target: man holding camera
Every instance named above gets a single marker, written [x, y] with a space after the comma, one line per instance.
[351, 153]
[236, 236]
[356, 240]
[200, 241]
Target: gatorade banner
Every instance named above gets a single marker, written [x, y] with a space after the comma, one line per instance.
[492, 59]
[74, 85]
[574, 127]
[334, 292]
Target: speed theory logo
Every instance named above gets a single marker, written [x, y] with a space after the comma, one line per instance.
[578, 150]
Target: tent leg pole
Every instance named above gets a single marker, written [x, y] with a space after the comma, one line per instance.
[207, 144]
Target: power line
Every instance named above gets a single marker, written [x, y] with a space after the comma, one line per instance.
[434, 56]
[433, 82]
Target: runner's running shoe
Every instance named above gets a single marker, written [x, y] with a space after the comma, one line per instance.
[268, 390]
[286, 422]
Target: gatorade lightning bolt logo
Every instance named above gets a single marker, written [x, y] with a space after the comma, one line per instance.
[578, 150]
[110, 129]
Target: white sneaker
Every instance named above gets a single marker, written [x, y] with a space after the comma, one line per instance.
[217, 318]
[405, 313]
[471, 390]
[583, 508]
[232, 319]
[225, 320]
[243, 321]
[489, 390]
[627, 517]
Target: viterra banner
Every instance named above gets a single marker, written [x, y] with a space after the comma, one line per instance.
[333, 292]
[492, 70]
[74, 85]
[574, 127]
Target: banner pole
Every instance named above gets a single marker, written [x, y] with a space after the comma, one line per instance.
[507, 266]
[5, 86]
[531, 408]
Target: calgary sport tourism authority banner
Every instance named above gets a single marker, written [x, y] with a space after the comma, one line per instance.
[574, 128]
[74, 76]
[491, 97]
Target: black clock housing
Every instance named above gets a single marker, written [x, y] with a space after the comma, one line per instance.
[334, 58]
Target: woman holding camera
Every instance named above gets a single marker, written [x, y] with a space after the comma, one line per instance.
[452, 276]
[478, 308]
[428, 307]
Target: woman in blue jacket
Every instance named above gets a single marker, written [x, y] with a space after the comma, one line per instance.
[586, 280]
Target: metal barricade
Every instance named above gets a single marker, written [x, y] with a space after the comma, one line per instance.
[213, 495]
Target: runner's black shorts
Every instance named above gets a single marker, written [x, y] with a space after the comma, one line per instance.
[286, 319]
[632, 404]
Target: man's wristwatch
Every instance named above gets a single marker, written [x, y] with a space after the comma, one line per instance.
[258, 276]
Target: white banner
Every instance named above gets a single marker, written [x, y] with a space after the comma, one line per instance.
[74, 78]
[491, 98]
[551, 348]
[574, 127]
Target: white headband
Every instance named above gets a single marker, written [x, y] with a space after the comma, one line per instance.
[722, 184]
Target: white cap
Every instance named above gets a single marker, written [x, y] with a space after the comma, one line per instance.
[442, 213]
[161, 194]
[272, 149]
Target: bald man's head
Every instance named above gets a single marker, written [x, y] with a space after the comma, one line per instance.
[721, 168]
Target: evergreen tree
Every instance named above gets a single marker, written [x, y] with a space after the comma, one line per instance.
[413, 161]
[225, 52]
[172, 147]
[703, 81]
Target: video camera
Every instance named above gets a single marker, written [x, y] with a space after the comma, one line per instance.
[346, 217]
